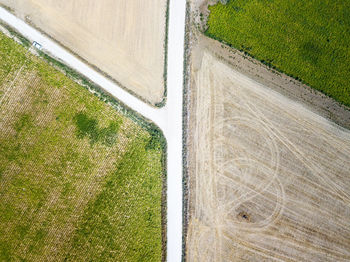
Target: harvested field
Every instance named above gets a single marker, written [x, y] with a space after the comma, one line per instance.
[125, 39]
[79, 181]
[269, 179]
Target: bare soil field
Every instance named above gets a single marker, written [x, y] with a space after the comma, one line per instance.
[125, 39]
[269, 178]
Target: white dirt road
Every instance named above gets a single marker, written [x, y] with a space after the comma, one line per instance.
[168, 118]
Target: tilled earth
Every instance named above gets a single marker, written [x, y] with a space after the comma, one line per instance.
[269, 179]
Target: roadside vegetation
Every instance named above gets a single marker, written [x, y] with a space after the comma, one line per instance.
[79, 181]
[308, 40]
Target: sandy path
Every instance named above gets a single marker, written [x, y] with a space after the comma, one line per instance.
[270, 179]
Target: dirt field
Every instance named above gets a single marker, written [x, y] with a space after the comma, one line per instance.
[269, 179]
[125, 39]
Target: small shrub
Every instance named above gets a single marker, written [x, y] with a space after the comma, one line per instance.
[88, 127]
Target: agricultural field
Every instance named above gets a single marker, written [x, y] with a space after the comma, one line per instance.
[124, 39]
[269, 180]
[79, 181]
[308, 40]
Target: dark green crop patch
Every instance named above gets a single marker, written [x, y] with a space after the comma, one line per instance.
[23, 121]
[89, 127]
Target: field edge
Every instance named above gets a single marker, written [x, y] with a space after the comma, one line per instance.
[159, 104]
[271, 66]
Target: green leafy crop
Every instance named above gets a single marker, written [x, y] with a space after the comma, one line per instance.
[308, 40]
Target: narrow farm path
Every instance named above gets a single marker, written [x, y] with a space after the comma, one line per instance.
[168, 118]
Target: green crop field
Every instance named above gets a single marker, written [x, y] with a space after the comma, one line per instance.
[309, 40]
[79, 181]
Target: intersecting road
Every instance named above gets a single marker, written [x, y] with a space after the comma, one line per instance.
[168, 118]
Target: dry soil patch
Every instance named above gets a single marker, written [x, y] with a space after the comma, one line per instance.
[125, 39]
[269, 179]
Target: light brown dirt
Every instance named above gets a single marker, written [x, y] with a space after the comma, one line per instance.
[125, 38]
[287, 86]
[269, 178]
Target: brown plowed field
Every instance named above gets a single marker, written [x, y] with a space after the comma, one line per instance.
[269, 179]
[125, 38]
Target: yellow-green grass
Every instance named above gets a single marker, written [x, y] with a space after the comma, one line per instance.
[79, 181]
[308, 40]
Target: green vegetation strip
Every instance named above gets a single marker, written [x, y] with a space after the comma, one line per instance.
[308, 40]
[79, 181]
